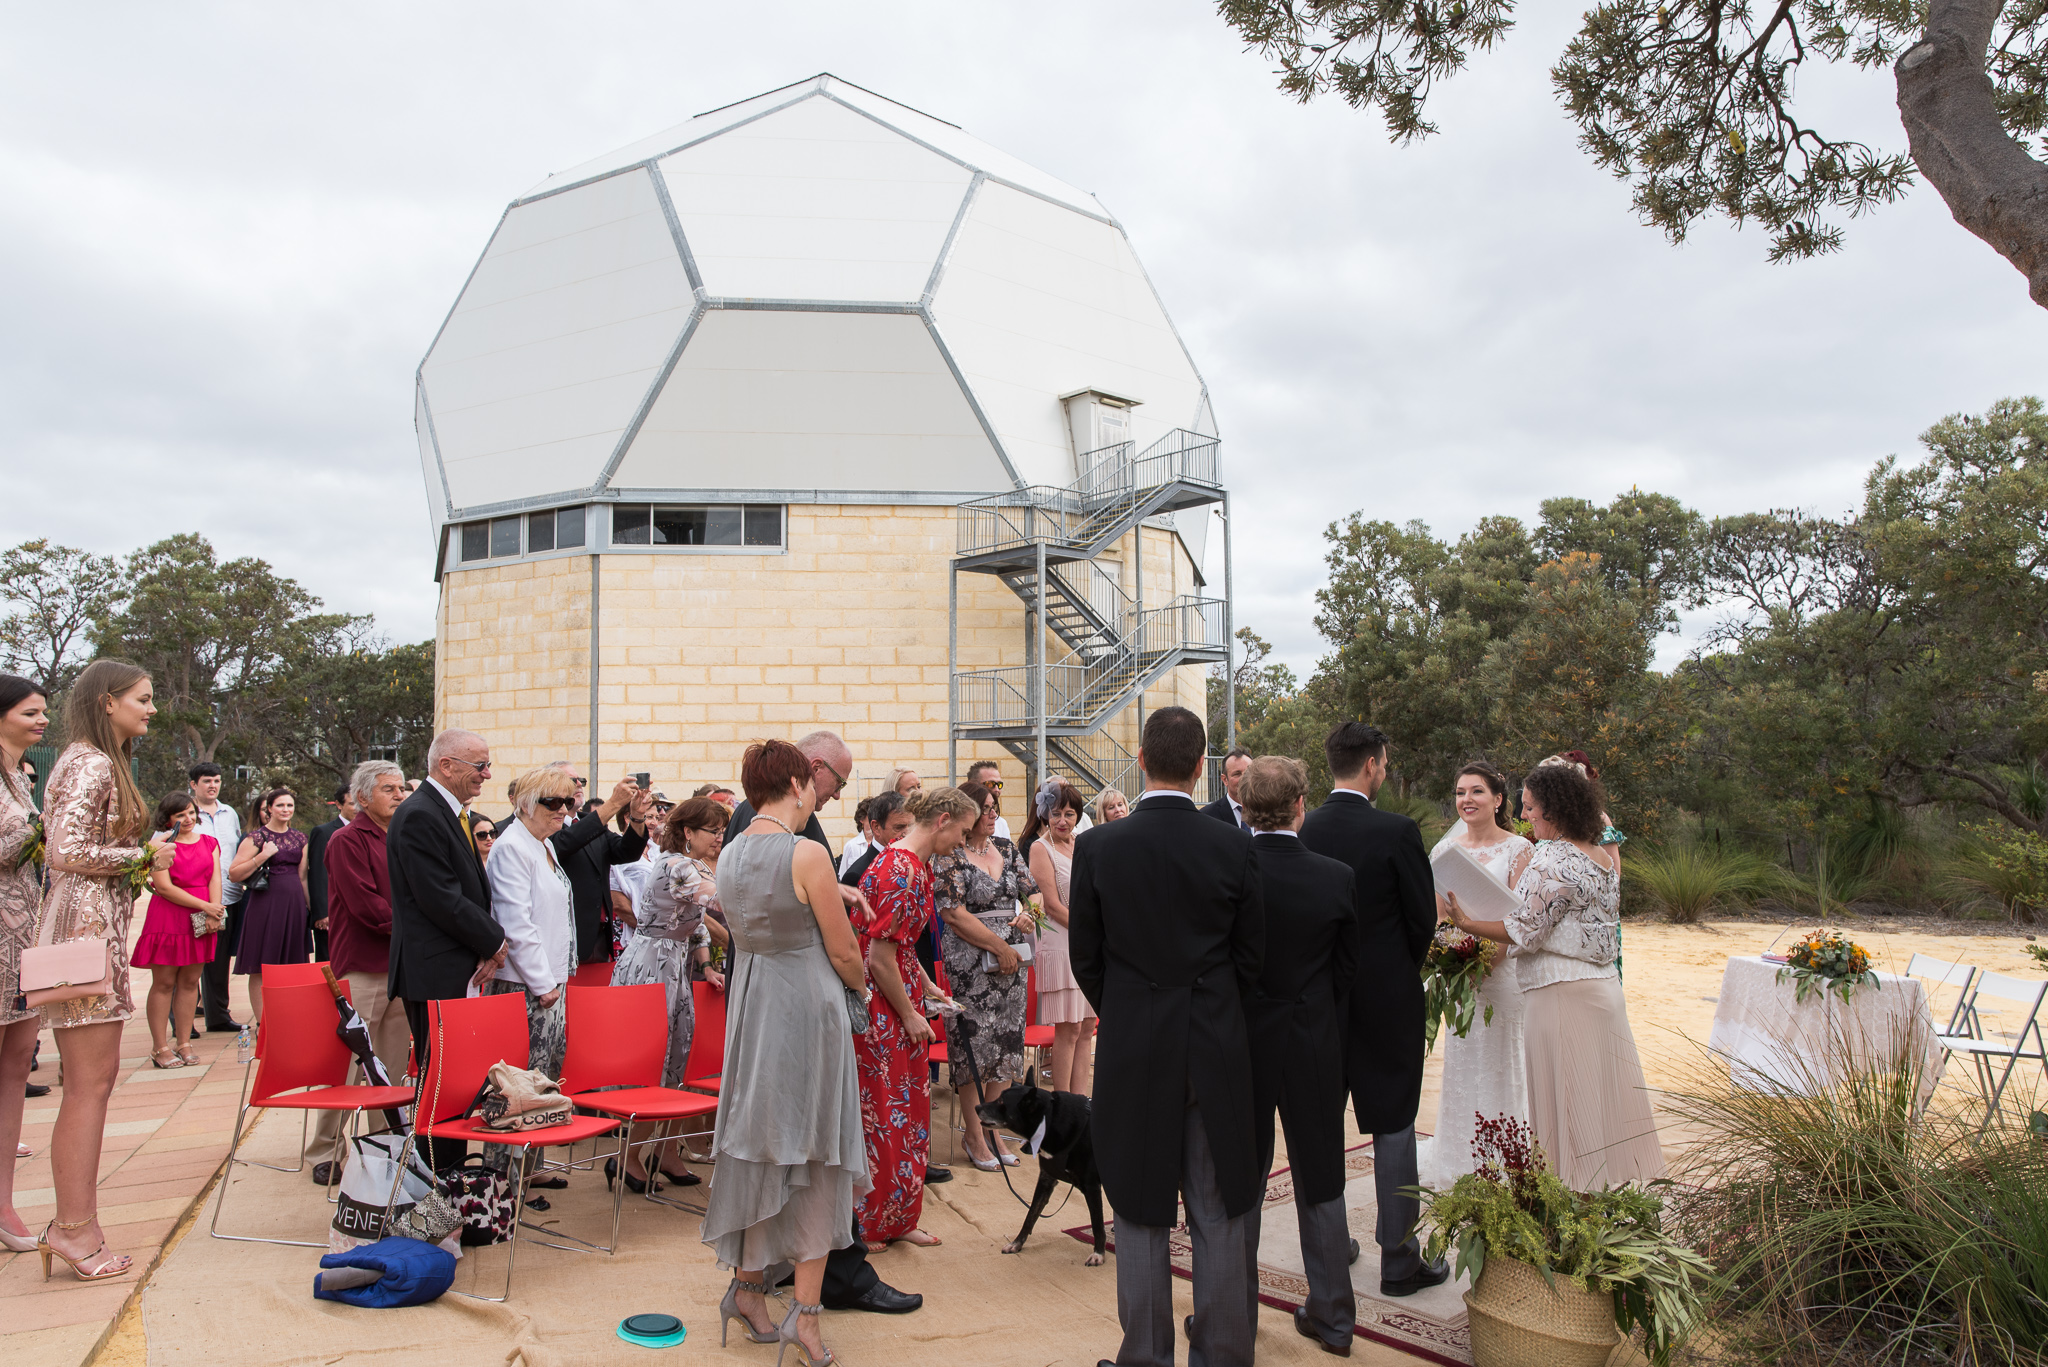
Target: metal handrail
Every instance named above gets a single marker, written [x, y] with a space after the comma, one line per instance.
[1110, 477]
[1080, 691]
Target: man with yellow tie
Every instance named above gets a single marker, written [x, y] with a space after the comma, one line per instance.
[442, 934]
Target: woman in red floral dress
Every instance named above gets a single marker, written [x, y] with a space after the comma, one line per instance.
[895, 1082]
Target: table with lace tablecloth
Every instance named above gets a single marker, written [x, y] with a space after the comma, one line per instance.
[1773, 1041]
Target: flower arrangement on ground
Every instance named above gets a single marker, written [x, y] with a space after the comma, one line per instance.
[1608, 1241]
[1452, 972]
[1827, 961]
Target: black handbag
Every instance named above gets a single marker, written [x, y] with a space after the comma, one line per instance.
[258, 881]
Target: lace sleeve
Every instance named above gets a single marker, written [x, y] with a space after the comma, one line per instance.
[949, 883]
[1019, 871]
[79, 797]
[1561, 909]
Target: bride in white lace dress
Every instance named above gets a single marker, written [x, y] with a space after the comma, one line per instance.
[1483, 1072]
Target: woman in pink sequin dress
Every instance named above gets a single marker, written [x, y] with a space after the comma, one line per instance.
[96, 822]
[24, 716]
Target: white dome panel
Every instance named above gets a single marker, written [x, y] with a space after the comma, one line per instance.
[1037, 302]
[555, 341]
[814, 202]
[784, 400]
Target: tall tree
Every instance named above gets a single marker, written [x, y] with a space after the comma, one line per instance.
[57, 593]
[350, 696]
[1693, 102]
[213, 635]
[1259, 685]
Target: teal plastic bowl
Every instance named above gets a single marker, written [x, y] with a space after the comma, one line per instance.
[652, 1331]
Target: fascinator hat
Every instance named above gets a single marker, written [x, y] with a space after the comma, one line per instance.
[1047, 798]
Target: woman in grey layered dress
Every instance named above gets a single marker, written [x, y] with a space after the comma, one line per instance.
[673, 945]
[791, 1158]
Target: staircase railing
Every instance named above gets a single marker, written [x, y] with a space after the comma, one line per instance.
[1112, 478]
[1081, 692]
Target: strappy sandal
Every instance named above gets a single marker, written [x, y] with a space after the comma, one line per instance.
[157, 1060]
[930, 1240]
[729, 1310]
[787, 1333]
[187, 1057]
[116, 1266]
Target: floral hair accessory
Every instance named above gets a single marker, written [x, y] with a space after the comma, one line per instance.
[1048, 797]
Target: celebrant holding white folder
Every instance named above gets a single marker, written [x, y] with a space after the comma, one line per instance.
[1588, 1102]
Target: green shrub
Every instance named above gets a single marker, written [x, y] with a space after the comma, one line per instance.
[1999, 863]
[1687, 881]
[1846, 1226]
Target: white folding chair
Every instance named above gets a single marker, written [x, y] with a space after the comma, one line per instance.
[1986, 1053]
[1941, 973]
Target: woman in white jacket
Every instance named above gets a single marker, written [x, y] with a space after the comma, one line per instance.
[530, 902]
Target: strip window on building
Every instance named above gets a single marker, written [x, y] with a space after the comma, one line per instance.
[506, 538]
[685, 525]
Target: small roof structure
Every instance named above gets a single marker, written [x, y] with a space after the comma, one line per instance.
[817, 294]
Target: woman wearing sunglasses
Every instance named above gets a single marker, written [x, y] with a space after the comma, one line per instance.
[530, 902]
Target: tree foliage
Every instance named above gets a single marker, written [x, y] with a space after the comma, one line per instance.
[1694, 102]
[56, 593]
[1891, 658]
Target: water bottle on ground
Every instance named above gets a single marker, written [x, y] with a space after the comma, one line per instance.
[245, 1044]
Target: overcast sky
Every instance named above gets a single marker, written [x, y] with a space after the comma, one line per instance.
[229, 232]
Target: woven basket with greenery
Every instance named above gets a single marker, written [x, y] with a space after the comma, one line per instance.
[1519, 1320]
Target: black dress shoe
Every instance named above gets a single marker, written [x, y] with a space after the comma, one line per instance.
[324, 1174]
[197, 1033]
[1187, 1326]
[554, 1182]
[37, 1089]
[223, 1027]
[935, 1173]
[1308, 1331]
[1352, 1261]
[1432, 1274]
[882, 1299]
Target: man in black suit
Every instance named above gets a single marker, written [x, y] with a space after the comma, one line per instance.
[344, 804]
[442, 934]
[588, 848]
[1296, 1018]
[1230, 807]
[1166, 931]
[850, 1283]
[1396, 900]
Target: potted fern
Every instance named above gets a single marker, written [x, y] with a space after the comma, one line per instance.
[1560, 1276]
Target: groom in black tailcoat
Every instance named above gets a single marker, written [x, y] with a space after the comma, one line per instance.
[1166, 934]
[1395, 896]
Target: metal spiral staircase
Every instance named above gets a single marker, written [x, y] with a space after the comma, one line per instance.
[1043, 543]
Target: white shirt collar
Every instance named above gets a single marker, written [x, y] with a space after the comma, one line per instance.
[1354, 792]
[1151, 793]
[1282, 831]
[454, 802]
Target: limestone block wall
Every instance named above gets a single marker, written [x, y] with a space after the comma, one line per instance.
[700, 654]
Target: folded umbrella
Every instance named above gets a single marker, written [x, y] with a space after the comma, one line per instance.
[356, 1036]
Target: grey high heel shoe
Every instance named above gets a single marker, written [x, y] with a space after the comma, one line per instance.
[729, 1310]
[787, 1333]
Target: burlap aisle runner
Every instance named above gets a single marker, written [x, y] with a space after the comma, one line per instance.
[1429, 1325]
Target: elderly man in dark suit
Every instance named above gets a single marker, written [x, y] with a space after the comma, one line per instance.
[1166, 930]
[1395, 896]
[1296, 1017]
[442, 934]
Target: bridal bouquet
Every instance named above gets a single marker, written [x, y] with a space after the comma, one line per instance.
[137, 871]
[1827, 961]
[1452, 971]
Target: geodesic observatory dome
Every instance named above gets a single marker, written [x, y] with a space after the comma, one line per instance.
[726, 358]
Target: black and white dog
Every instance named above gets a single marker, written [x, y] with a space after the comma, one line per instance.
[1054, 1126]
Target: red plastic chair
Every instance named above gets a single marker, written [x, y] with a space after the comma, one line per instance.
[706, 1061]
[468, 1036]
[304, 1052]
[1036, 1036]
[598, 974]
[618, 1039]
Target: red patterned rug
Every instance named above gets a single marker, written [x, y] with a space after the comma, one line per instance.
[1429, 1325]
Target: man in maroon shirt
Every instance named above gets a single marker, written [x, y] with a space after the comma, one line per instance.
[359, 936]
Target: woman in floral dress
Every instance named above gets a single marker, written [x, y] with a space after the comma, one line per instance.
[895, 1083]
[96, 820]
[24, 716]
[980, 889]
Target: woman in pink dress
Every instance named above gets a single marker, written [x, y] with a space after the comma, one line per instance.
[183, 889]
[1061, 1003]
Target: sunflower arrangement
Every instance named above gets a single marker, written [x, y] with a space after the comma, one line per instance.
[1827, 961]
[1452, 971]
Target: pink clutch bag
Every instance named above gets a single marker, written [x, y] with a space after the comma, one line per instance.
[66, 972]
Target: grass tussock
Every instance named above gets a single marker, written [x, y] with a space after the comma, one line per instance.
[1687, 881]
[1846, 1228]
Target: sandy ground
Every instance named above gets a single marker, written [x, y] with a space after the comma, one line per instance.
[226, 1304]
